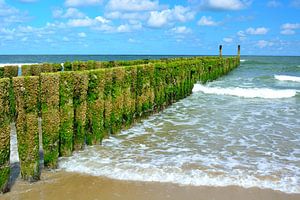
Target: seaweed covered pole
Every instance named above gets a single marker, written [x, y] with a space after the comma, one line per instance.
[95, 107]
[66, 109]
[50, 118]
[80, 108]
[4, 134]
[26, 93]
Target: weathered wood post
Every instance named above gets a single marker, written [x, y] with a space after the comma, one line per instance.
[220, 51]
[50, 118]
[4, 134]
[239, 50]
[26, 91]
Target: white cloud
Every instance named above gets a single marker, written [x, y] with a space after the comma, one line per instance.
[263, 43]
[228, 40]
[224, 4]
[87, 22]
[287, 32]
[273, 4]
[131, 40]
[181, 30]
[257, 31]
[81, 22]
[10, 15]
[77, 3]
[241, 34]
[66, 39]
[69, 13]
[162, 18]
[82, 34]
[289, 28]
[132, 5]
[102, 20]
[207, 21]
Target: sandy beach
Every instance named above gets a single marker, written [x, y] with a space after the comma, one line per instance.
[64, 185]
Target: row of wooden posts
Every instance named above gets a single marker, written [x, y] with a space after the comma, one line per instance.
[79, 108]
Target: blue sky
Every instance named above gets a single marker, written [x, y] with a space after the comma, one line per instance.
[196, 27]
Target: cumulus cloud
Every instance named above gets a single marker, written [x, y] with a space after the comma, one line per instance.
[207, 21]
[82, 35]
[181, 30]
[87, 22]
[78, 3]
[257, 31]
[228, 40]
[222, 5]
[289, 28]
[263, 43]
[10, 14]
[132, 5]
[162, 18]
[68, 13]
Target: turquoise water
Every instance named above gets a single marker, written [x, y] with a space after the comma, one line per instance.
[242, 129]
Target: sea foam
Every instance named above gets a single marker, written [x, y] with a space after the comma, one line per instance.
[287, 78]
[265, 93]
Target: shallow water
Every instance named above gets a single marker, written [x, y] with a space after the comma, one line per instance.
[243, 130]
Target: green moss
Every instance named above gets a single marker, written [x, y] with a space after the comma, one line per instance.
[26, 70]
[81, 82]
[129, 95]
[107, 101]
[67, 66]
[26, 93]
[66, 134]
[11, 71]
[95, 107]
[1, 72]
[145, 90]
[117, 99]
[4, 133]
[50, 118]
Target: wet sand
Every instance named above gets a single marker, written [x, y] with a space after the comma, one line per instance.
[63, 185]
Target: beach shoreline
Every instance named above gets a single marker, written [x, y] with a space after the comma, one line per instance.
[66, 185]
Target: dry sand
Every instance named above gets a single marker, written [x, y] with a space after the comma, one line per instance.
[63, 185]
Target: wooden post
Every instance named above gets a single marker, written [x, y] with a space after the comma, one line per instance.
[239, 50]
[220, 51]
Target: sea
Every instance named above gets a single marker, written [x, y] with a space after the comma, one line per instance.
[242, 129]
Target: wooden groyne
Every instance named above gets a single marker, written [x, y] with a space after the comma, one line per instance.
[82, 102]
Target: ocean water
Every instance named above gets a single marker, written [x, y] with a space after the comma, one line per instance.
[242, 129]
[9, 59]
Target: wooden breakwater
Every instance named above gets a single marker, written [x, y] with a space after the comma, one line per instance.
[89, 101]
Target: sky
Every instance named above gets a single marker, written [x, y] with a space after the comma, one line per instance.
[168, 27]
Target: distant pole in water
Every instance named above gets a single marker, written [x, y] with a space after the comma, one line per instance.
[239, 50]
[220, 51]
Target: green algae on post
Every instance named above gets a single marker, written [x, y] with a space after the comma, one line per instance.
[50, 118]
[26, 93]
[107, 101]
[129, 95]
[11, 71]
[4, 134]
[81, 81]
[117, 99]
[66, 109]
[95, 107]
